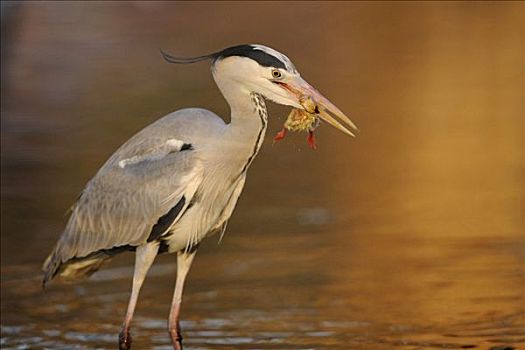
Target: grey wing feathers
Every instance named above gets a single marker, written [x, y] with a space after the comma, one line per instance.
[139, 184]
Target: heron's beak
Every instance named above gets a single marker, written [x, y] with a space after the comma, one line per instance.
[313, 102]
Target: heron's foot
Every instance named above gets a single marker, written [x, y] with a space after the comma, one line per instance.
[176, 338]
[124, 340]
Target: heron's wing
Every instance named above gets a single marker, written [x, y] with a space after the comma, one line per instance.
[140, 192]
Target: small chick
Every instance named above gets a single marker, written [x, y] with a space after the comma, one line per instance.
[301, 120]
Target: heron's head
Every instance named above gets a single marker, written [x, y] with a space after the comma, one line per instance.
[263, 70]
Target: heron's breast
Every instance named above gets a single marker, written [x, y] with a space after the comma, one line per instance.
[211, 206]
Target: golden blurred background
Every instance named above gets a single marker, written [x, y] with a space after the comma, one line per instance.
[411, 235]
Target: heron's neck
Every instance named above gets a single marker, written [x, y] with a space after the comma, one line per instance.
[248, 123]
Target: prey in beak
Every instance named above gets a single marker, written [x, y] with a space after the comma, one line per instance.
[315, 108]
[301, 119]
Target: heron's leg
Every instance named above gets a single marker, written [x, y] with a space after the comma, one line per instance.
[184, 261]
[144, 257]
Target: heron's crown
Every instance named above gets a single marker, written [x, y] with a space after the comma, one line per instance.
[263, 55]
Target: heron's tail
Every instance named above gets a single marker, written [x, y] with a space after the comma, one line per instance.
[50, 268]
[73, 270]
[77, 268]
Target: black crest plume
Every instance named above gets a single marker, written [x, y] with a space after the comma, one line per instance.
[249, 51]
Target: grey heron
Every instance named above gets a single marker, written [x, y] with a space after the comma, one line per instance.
[177, 180]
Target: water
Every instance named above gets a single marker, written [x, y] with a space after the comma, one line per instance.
[411, 236]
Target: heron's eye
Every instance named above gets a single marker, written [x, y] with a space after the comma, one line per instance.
[276, 73]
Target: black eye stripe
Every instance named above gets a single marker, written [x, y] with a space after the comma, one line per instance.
[259, 56]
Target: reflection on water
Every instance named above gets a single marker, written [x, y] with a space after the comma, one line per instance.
[278, 302]
[411, 236]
